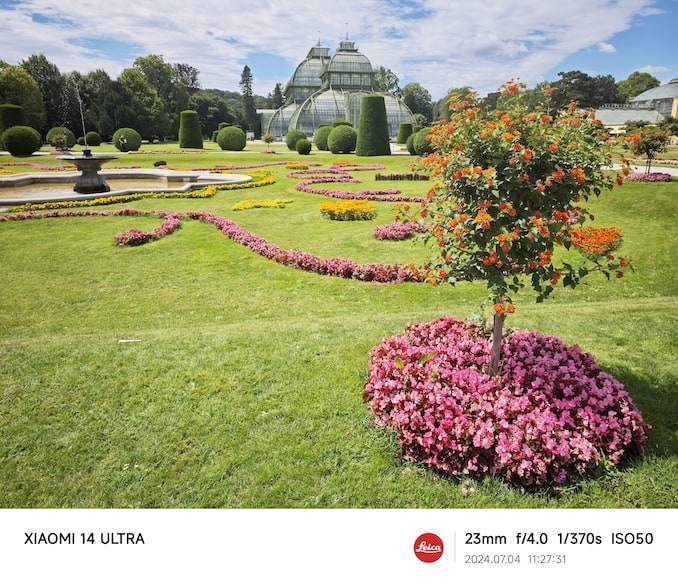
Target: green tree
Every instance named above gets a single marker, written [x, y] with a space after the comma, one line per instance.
[276, 99]
[18, 87]
[441, 109]
[637, 83]
[248, 104]
[57, 97]
[510, 187]
[418, 100]
[386, 81]
[211, 108]
[145, 108]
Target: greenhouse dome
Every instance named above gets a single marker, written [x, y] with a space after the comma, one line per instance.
[325, 89]
[663, 99]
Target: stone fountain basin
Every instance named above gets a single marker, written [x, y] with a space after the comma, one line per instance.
[170, 180]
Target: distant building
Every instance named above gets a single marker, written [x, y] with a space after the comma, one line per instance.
[652, 106]
[324, 89]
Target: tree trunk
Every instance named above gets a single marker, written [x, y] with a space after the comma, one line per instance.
[497, 333]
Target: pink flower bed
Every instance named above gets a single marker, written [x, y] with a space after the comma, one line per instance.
[547, 420]
[397, 231]
[657, 176]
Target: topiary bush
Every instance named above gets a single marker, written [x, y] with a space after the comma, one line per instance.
[21, 141]
[293, 136]
[190, 135]
[231, 138]
[404, 132]
[303, 146]
[126, 139]
[422, 146]
[409, 144]
[320, 137]
[549, 418]
[61, 137]
[342, 139]
[93, 138]
[373, 136]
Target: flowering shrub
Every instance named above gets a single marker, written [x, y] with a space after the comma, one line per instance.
[249, 204]
[549, 418]
[348, 210]
[656, 176]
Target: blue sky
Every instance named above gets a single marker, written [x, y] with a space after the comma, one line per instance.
[440, 44]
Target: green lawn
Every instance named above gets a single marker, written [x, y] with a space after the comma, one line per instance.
[190, 372]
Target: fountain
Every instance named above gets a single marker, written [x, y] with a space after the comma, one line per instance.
[89, 181]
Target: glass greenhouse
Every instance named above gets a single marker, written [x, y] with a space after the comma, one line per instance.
[325, 89]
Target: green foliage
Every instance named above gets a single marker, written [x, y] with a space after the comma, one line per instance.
[637, 83]
[11, 115]
[410, 144]
[421, 143]
[373, 136]
[404, 132]
[292, 136]
[320, 137]
[93, 138]
[17, 86]
[21, 141]
[231, 138]
[341, 122]
[190, 135]
[126, 139]
[303, 146]
[342, 139]
[61, 137]
[648, 141]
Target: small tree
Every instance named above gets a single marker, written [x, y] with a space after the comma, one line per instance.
[508, 188]
[648, 141]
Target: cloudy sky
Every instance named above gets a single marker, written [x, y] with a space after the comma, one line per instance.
[440, 44]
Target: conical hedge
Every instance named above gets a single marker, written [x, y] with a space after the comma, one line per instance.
[373, 136]
[190, 135]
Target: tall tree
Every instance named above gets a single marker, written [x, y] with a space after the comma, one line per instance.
[17, 86]
[211, 108]
[190, 76]
[637, 83]
[248, 104]
[151, 119]
[418, 100]
[277, 99]
[386, 81]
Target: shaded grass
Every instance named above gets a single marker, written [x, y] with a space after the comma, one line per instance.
[243, 388]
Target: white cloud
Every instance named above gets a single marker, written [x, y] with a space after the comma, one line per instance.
[438, 43]
[606, 48]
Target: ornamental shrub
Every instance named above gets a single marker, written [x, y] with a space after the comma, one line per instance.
[551, 417]
[341, 122]
[93, 138]
[292, 136]
[190, 135]
[373, 139]
[303, 146]
[11, 115]
[421, 143]
[61, 137]
[409, 143]
[21, 141]
[320, 138]
[404, 132]
[231, 138]
[126, 139]
[342, 139]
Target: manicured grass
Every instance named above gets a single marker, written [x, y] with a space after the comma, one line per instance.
[190, 372]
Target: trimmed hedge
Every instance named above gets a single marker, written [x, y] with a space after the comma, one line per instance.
[404, 132]
[93, 138]
[132, 139]
[320, 138]
[21, 141]
[54, 132]
[231, 138]
[373, 136]
[190, 135]
[293, 136]
[421, 144]
[303, 146]
[342, 139]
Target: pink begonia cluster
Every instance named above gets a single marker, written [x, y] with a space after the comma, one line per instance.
[397, 231]
[547, 420]
[339, 174]
[345, 268]
[656, 176]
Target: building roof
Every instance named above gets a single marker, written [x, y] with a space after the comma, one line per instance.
[667, 91]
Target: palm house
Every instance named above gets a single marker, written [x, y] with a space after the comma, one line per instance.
[324, 89]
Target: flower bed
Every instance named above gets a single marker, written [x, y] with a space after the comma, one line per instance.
[348, 210]
[249, 204]
[657, 176]
[549, 418]
[397, 231]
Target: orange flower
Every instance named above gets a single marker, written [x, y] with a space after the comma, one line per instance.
[527, 154]
[483, 218]
[553, 147]
[498, 308]
[593, 241]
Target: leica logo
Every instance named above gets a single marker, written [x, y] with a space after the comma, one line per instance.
[428, 548]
